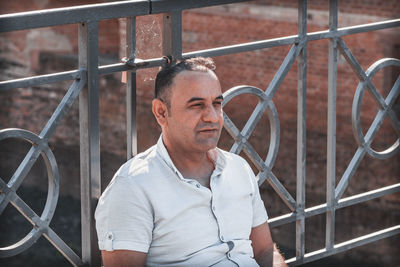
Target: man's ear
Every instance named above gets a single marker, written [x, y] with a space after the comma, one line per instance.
[160, 111]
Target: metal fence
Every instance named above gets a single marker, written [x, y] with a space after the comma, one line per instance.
[85, 85]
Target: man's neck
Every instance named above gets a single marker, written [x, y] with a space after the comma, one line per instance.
[193, 165]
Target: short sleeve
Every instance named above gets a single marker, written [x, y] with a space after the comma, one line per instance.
[124, 217]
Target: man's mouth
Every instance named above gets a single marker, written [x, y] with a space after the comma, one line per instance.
[208, 130]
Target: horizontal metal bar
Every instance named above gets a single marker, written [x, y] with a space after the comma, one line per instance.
[345, 202]
[41, 79]
[160, 6]
[74, 14]
[353, 30]
[369, 27]
[356, 242]
[219, 51]
[76, 74]
[97, 12]
[138, 64]
[244, 47]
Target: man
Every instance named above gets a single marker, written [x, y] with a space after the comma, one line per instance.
[185, 202]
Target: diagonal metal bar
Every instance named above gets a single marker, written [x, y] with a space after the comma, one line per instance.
[234, 133]
[41, 226]
[348, 174]
[283, 70]
[32, 155]
[362, 76]
[254, 119]
[265, 173]
[269, 176]
[62, 247]
[20, 174]
[391, 98]
[64, 106]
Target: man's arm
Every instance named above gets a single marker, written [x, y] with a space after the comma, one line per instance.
[265, 251]
[123, 258]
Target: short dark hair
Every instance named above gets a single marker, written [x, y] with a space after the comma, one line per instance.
[167, 74]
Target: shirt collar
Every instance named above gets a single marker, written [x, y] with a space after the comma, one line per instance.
[216, 155]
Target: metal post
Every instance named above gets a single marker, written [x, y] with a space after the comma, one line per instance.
[301, 131]
[331, 131]
[89, 140]
[131, 130]
[172, 34]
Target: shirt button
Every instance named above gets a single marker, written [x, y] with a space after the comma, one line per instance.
[198, 185]
[229, 254]
[213, 208]
[222, 237]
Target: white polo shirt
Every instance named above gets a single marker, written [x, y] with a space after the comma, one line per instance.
[149, 207]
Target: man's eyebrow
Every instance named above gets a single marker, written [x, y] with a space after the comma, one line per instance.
[193, 99]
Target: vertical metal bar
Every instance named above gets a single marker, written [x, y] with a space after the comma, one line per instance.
[89, 140]
[172, 34]
[331, 131]
[131, 130]
[301, 131]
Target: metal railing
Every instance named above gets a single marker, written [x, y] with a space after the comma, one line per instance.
[86, 86]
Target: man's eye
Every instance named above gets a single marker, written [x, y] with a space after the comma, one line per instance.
[197, 105]
[217, 103]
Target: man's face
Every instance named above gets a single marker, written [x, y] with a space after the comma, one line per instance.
[194, 119]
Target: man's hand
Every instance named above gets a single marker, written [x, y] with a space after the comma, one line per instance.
[123, 258]
[265, 252]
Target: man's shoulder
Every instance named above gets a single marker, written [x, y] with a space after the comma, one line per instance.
[140, 165]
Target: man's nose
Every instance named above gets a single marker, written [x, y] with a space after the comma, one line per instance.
[211, 114]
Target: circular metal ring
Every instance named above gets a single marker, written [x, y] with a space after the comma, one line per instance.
[356, 110]
[53, 190]
[272, 117]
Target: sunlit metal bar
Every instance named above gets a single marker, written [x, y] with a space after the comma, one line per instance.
[331, 129]
[301, 132]
[244, 47]
[363, 240]
[72, 15]
[219, 51]
[89, 140]
[161, 6]
[131, 131]
[345, 202]
[38, 80]
[137, 64]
